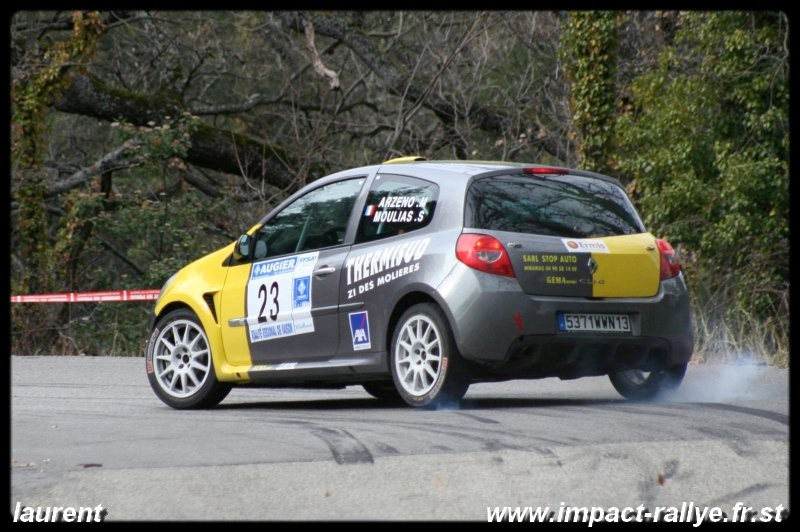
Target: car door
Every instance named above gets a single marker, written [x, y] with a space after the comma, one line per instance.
[393, 249]
[285, 300]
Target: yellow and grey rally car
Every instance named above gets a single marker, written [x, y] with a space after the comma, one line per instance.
[415, 278]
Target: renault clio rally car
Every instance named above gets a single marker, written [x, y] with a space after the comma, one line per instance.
[415, 278]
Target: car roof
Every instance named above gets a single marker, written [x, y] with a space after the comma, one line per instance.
[461, 169]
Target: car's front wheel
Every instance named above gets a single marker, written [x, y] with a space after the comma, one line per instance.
[179, 363]
[426, 367]
[644, 385]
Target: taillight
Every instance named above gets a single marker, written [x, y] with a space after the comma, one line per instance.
[484, 253]
[544, 170]
[670, 266]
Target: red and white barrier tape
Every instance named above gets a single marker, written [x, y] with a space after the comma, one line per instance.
[89, 297]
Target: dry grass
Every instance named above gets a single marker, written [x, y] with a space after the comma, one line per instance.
[738, 336]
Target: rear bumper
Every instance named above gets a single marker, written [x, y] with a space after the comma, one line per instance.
[515, 334]
[569, 358]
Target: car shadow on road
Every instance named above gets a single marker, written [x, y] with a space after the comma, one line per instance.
[482, 403]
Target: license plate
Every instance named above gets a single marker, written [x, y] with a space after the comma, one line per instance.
[580, 322]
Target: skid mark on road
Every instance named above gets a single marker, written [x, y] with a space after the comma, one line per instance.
[385, 448]
[479, 418]
[345, 448]
[766, 414]
[739, 495]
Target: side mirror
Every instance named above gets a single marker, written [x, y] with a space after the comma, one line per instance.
[242, 248]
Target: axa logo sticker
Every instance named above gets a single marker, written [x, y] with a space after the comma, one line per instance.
[359, 330]
[584, 245]
[301, 295]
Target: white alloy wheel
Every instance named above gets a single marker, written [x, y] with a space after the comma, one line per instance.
[418, 359]
[182, 358]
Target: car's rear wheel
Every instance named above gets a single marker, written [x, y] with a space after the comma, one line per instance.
[382, 390]
[644, 385]
[180, 367]
[426, 367]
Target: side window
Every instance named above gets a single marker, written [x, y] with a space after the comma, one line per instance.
[313, 221]
[396, 205]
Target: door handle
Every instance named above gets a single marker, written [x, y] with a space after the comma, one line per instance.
[325, 270]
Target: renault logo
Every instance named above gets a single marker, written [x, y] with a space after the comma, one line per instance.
[592, 264]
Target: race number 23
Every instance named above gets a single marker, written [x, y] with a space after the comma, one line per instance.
[274, 305]
[279, 297]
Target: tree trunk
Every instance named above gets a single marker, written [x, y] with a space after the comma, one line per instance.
[211, 147]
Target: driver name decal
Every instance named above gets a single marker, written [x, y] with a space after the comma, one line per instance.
[279, 298]
[398, 209]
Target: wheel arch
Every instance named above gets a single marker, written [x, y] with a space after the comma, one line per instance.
[169, 307]
[208, 319]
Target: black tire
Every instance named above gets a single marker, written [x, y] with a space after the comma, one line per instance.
[640, 385]
[179, 363]
[426, 367]
[383, 390]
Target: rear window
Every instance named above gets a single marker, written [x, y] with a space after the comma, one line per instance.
[564, 206]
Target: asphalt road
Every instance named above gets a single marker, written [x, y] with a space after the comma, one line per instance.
[88, 431]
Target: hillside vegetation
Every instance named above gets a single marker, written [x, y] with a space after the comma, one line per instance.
[141, 140]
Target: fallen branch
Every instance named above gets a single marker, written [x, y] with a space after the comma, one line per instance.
[114, 160]
[316, 60]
